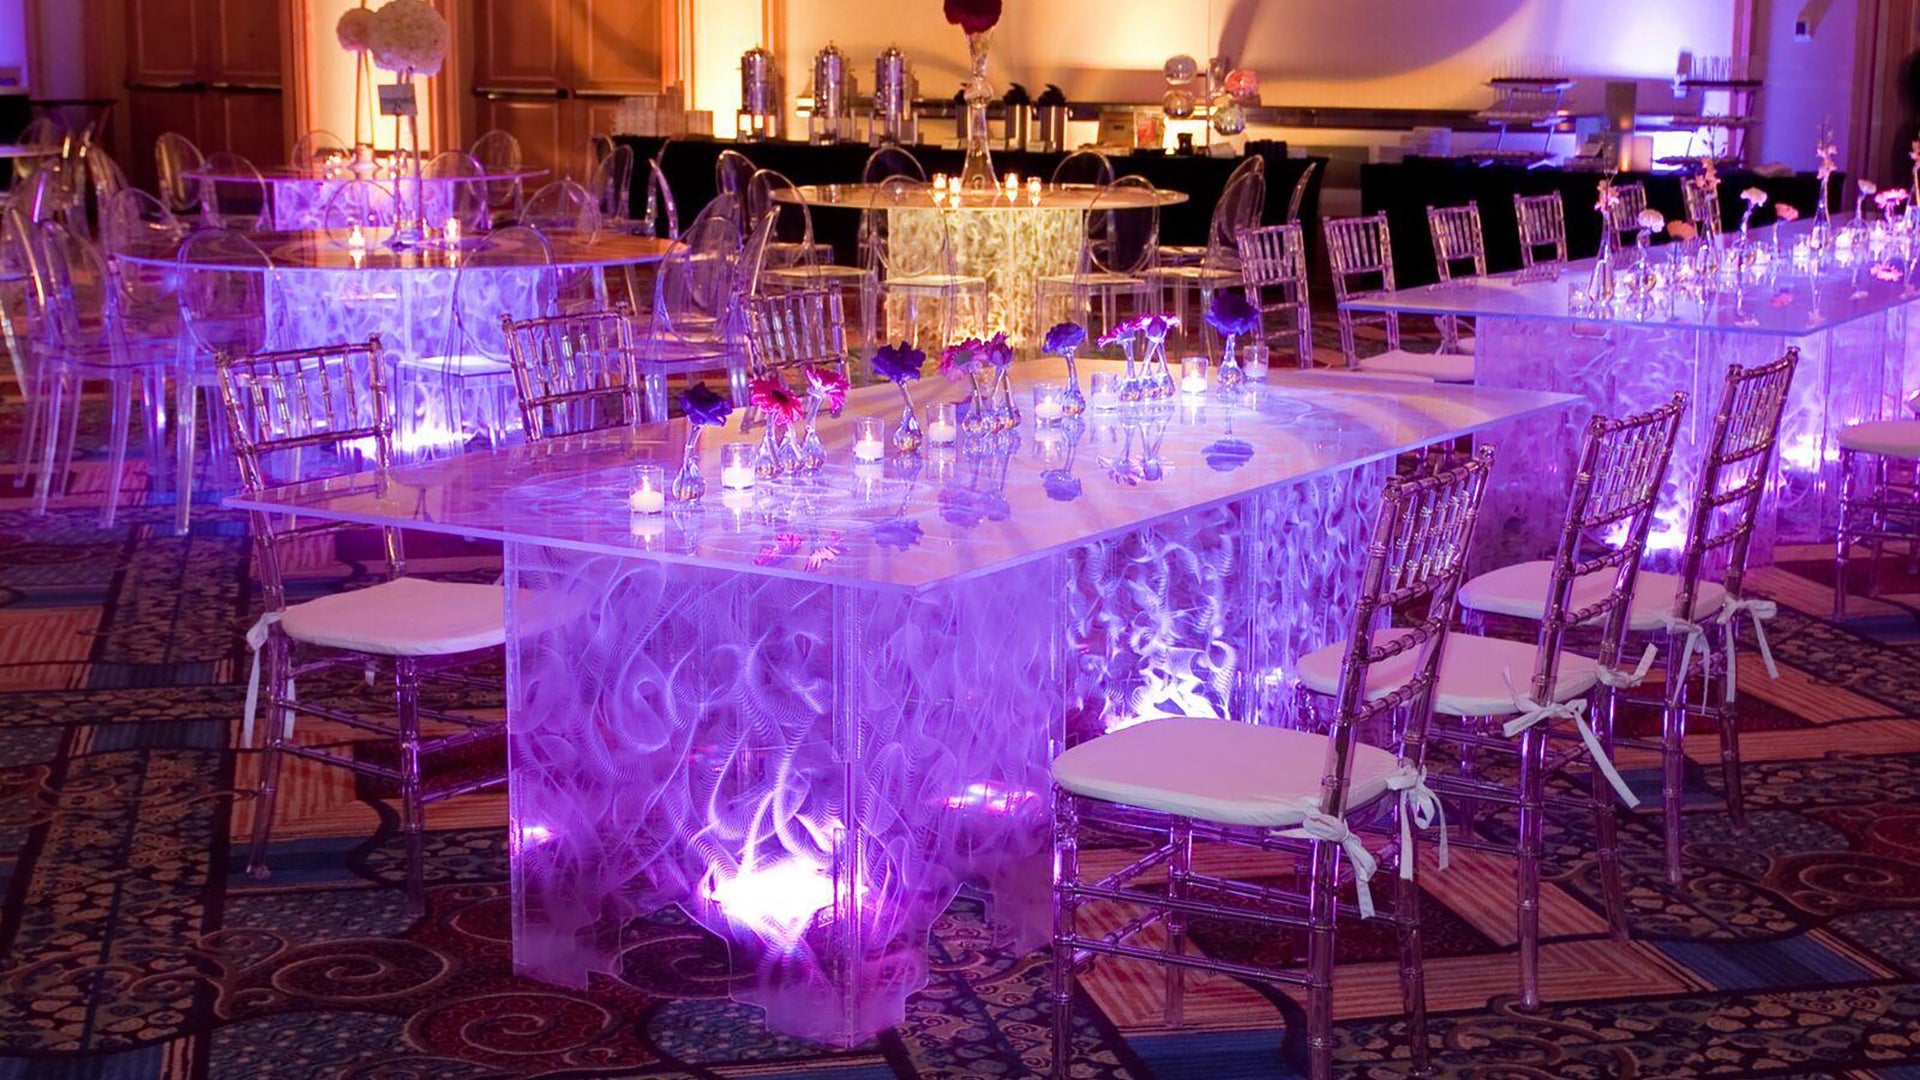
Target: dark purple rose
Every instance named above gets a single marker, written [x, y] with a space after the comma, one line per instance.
[1228, 454]
[973, 16]
[1061, 485]
[898, 363]
[998, 352]
[703, 407]
[1064, 338]
[899, 533]
[1231, 314]
[962, 507]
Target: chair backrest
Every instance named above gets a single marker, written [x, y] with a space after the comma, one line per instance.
[1241, 202]
[499, 152]
[1122, 228]
[795, 329]
[690, 293]
[510, 269]
[132, 217]
[792, 220]
[224, 285]
[663, 216]
[1416, 559]
[1623, 217]
[303, 414]
[1734, 475]
[563, 206]
[1543, 224]
[1616, 489]
[1273, 267]
[1703, 206]
[105, 176]
[60, 266]
[573, 373]
[1457, 239]
[369, 207]
[174, 155]
[1360, 251]
[611, 183]
[891, 161]
[732, 171]
[1083, 168]
[932, 254]
[457, 190]
[1300, 188]
[318, 150]
[233, 195]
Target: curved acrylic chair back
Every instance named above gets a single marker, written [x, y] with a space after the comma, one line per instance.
[41, 131]
[1458, 243]
[663, 216]
[792, 221]
[732, 171]
[573, 373]
[690, 296]
[359, 214]
[105, 176]
[1241, 202]
[499, 152]
[1300, 188]
[133, 220]
[912, 245]
[1083, 168]
[318, 151]
[798, 328]
[46, 191]
[59, 270]
[508, 272]
[233, 195]
[611, 183]
[563, 206]
[1123, 228]
[891, 161]
[174, 156]
[1542, 221]
[225, 281]
[458, 191]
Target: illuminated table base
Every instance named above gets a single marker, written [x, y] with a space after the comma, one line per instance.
[1013, 248]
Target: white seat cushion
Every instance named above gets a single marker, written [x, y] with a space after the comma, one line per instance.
[1889, 438]
[1216, 770]
[1520, 590]
[1440, 367]
[1464, 345]
[404, 617]
[1478, 675]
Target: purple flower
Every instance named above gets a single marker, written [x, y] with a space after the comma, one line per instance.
[958, 359]
[703, 407]
[1061, 485]
[998, 352]
[898, 363]
[962, 507]
[1157, 327]
[1064, 338]
[1231, 314]
[899, 533]
[1227, 455]
[973, 16]
[1120, 332]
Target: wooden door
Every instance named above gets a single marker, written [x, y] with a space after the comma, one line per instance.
[211, 70]
[551, 72]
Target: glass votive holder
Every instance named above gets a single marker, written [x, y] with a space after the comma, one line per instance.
[1104, 391]
[736, 466]
[869, 439]
[1193, 375]
[1049, 403]
[939, 181]
[943, 427]
[1033, 186]
[649, 494]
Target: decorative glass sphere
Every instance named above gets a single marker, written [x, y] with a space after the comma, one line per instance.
[1243, 84]
[1180, 70]
[1229, 117]
[1177, 104]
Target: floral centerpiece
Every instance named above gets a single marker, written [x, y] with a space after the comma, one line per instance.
[408, 38]
[1828, 153]
[1125, 334]
[703, 409]
[901, 364]
[997, 353]
[1755, 199]
[1600, 282]
[783, 410]
[976, 18]
[962, 360]
[1064, 340]
[826, 388]
[1231, 314]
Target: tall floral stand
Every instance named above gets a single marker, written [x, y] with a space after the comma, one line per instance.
[977, 173]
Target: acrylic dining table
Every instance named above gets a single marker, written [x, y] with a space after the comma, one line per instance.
[810, 712]
[1856, 331]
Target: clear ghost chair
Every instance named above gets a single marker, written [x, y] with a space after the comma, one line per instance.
[105, 179]
[230, 301]
[563, 206]
[1219, 265]
[326, 412]
[891, 161]
[359, 214]
[498, 152]
[233, 195]
[688, 329]
[663, 216]
[174, 158]
[1263, 790]
[573, 373]
[318, 151]
[797, 263]
[1361, 253]
[1238, 218]
[918, 269]
[732, 170]
[455, 189]
[1083, 168]
[1119, 243]
[1273, 266]
[611, 184]
[1542, 222]
[1458, 244]
[792, 242]
[134, 222]
[1623, 218]
[41, 133]
[1300, 187]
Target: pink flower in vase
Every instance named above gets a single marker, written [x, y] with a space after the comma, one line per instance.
[828, 386]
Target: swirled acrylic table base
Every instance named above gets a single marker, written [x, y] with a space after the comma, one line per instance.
[810, 713]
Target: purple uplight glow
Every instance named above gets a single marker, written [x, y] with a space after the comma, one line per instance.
[777, 901]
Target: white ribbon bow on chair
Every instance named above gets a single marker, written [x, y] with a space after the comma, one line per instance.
[1696, 642]
[256, 640]
[1419, 805]
[1758, 611]
[1627, 680]
[1319, 826]
[1533, 712]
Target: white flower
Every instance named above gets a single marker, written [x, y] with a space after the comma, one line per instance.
[1868, 187]
[409, 35]
[1754, 196]
[355, 29]
[1652, 220]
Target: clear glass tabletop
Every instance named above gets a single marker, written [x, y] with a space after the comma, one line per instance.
[921, 197]
[1783, 301]
[318, 251]
[953, 514]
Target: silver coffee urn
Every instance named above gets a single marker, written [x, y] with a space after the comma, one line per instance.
[894, 91]
[832, 117]
[760, 106]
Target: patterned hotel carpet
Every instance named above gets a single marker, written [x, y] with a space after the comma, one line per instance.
[128, 948]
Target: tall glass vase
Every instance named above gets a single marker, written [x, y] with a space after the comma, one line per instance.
[978, 171]
[1822, 218]
[409, 229]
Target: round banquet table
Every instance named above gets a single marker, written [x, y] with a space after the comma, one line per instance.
[1013, 242]
[23, 150]
[298, 197]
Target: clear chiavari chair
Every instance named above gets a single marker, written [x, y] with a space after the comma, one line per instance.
[1170, 782]
[1361, 253]
[309, 413]
[1119, 243]
[573, 373]
[175, 157]
[498, 153]
[1458, 244]
[1496, 691]
[796, 329]
[233, 194]
[1879, 500]
[1542, 222]
[1273, 265]
[1623, 217]
[1703, 206]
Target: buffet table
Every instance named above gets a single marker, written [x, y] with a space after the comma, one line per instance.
[1859, 358]
[809, 712]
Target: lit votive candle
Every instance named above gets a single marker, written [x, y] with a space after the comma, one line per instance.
[1105, 391]
[944, 426]
[869, 440]
[1193, 375]
[356, 238]
[939, 181]
[1013, 184]
[649, 494]
[647, 527]
[1033, 186]
[1049, 403]
[736, 466]
[451, 232]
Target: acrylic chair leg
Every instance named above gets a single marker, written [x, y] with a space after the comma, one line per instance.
[1842, 541]
[1321, 912]
[153, 398]
[34, 390]
[412, 814]
[1413, 975]
[120, 420]
[1066, 872]
[279, 729]
[1606, 827]
[1527, 866]
[76, 399]
[1728, 716]
[186, 422]
[1177, 871]
[1673, 765]
[58, 389]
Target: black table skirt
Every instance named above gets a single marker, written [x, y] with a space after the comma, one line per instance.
[689, 167]
[1404, 191]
